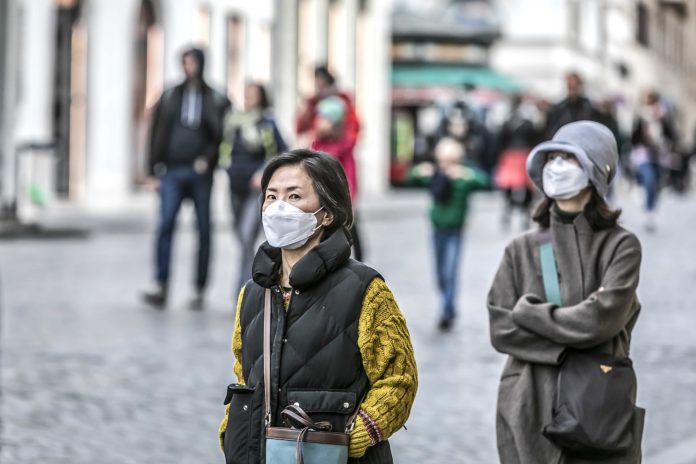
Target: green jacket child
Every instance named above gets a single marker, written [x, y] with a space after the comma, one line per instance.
[450, 184]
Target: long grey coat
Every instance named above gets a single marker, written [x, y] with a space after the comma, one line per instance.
[598, 274]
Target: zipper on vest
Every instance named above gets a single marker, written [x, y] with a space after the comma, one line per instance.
[280, 325]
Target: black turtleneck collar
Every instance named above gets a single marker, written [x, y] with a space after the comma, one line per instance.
[324, 258]
[564, 216]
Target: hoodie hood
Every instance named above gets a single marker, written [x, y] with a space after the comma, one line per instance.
[199, 56]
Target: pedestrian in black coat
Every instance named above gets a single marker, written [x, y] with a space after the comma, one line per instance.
[184, 138]
[575, 107]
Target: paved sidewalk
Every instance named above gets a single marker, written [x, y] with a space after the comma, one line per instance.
[90, 375]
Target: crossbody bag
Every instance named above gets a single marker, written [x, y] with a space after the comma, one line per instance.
[304, 441]
[593, 409]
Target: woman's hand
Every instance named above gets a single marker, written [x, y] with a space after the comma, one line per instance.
[255, 181]
[153, 183]
[325, 128]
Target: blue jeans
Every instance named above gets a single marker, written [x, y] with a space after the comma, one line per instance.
[447, 246]
[180, 183]
[649, 177]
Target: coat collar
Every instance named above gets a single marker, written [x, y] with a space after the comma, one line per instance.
[569, 240]
[326, 257]
[580, 223]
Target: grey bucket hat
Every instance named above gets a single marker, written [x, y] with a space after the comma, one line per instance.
[592, 143]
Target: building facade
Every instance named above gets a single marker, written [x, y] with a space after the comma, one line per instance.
[621, 47]
[81, 76]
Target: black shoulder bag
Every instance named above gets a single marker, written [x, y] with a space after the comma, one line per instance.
[593, 410]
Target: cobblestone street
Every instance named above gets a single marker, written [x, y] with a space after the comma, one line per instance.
[90, 375]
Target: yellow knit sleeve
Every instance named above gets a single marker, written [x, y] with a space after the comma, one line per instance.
[237, 351]
[237, 340]
[390, 365]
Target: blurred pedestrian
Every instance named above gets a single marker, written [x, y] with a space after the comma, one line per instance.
[334, 130]
[451, 183]
[184, 137]
[462, 124]
[338, 341]
[597, 263]
[325, 86]
[251, 137]
[517, 137]
[606, 110]
[331, 137]
[653, 138]
[575, 107]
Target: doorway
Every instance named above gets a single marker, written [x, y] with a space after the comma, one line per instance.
[70, 99]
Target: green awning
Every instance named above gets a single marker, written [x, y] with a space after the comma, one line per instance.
[433, 75]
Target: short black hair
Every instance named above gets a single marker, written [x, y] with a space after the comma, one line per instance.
[329, 180]
[598, 213]
[197, 53]
[323, 71]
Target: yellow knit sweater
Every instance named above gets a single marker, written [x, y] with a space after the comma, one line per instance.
[388, 360]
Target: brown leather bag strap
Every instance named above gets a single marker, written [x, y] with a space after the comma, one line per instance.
[267, 356]
[299, 459]
[296, 414]
[350, 425]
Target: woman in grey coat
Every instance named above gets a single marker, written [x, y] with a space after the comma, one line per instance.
[598, 265]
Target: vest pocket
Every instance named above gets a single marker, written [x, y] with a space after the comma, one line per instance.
[326, 405]
[242, 439]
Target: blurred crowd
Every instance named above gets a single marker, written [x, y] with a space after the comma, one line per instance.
[466, 148]
[654, 151]
[195, 129]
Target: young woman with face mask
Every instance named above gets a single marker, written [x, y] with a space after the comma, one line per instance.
[598, 265]
[339, 343]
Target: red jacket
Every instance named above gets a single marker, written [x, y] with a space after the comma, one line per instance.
[343, 147]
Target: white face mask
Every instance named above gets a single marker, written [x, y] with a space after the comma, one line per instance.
[287, 226]
[563, 180]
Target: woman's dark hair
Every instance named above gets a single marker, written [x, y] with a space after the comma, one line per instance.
[323, 72]
[329, 182]
[597, 211]
[264, 101]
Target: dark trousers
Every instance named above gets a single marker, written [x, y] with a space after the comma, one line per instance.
[178, 184]
[246, 209]
[447, 245]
